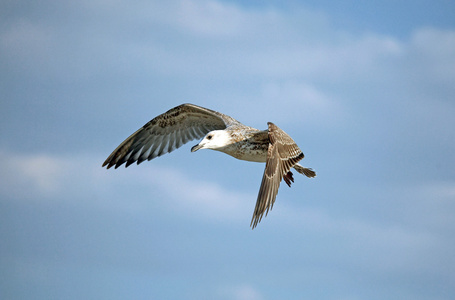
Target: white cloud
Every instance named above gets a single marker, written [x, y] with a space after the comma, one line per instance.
[415, 221]
[392, 96]
[296, 63]
[177, 192]
[266, 43]
[439, 43]
[44, 176]
[210, 18]
[240, 292]
[212, 38]
[295, 53]
[440, 191]
[431, 56]
[207, 199]
[293, 100]
[31, 175]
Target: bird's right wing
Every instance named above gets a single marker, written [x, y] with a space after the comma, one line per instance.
[167, 132]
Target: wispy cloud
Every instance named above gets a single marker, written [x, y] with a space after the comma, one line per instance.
[298, 43]
[30, 174]
[302, 60]
[240, 292]
[372, 111]
[45, 176]
[209, 200]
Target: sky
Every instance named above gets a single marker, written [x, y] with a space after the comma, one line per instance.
[367, 90]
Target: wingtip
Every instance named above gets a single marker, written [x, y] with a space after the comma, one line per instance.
[253, 224]
[256, 220]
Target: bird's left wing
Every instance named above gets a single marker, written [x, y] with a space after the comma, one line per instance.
[283, 153]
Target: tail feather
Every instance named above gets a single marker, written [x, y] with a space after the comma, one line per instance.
[288, 178]
[308, 172]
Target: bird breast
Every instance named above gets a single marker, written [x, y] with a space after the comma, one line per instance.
[247, 151]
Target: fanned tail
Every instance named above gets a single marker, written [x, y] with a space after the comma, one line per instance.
[308, 172]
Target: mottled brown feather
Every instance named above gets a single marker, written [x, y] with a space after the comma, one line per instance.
[283, 153]
[186, 122]
[167, 132]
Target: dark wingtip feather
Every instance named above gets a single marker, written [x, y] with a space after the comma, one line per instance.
[129, 162]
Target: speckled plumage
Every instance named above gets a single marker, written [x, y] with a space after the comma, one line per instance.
[187, 122]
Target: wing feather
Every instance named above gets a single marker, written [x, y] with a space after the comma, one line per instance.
[155, 144]
[163, 145]
[178, 139]
[282, 154]
[167, 132]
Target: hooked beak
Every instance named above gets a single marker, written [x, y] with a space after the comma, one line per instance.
[196, 147]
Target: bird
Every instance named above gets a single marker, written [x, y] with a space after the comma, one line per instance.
[186, 122]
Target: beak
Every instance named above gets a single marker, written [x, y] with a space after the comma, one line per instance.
[196, 147]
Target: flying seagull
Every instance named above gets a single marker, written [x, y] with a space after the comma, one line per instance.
[220, 132]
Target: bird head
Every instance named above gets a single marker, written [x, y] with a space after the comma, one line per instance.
[215, 140]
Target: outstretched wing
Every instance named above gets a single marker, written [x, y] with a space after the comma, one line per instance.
[167, 132]
[282, 154]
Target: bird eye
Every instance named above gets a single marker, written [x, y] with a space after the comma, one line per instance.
[209, 137]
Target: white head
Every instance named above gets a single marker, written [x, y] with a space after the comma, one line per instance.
[215, 140]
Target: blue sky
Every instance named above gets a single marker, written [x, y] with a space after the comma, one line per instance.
[366, 89]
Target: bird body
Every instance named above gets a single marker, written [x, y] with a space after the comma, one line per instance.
[179, 125]
[241, 142]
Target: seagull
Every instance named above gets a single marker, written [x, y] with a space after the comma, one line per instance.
[186, 122]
